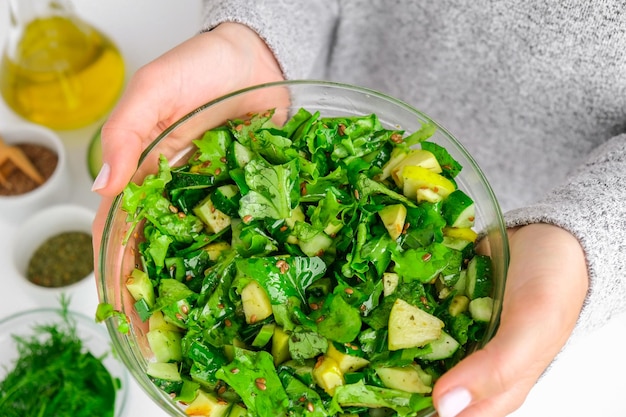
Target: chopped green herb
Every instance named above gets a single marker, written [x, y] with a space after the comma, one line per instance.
[55, 376]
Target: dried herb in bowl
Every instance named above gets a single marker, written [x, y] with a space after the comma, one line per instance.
[56, 376]
[62, 260]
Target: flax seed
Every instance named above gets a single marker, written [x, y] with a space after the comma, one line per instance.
[260, 384]
[283, 266]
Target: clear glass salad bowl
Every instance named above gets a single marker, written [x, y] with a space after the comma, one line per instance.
[117, 260]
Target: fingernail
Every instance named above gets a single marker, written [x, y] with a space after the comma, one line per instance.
[102, 179]
[453, 402]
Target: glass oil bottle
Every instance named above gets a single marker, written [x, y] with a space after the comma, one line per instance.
[56, 69]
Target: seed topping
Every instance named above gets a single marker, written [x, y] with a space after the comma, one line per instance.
[260, 384]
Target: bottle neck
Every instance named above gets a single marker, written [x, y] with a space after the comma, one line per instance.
[22, 12]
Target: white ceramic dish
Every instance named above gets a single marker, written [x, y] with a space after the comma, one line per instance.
[43, 225]
[55, 189]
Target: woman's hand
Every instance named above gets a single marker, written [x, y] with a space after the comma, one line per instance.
[207, 66]
[546, 286]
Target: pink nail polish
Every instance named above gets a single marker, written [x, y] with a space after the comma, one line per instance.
[453, 402]
[102, 179]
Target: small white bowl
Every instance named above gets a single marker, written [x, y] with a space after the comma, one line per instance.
[93, 336]
[40, 227]
[55, 189]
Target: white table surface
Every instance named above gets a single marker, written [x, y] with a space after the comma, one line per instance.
[588, 380]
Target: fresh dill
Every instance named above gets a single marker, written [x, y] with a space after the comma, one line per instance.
[56, 376]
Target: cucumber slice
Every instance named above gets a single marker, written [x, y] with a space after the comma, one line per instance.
[165, 376]
[265, 334]
[226, 199]
[238, 155]
[458, 210]
[481, 308]
[94, 155]
[405, 378]
[466, 247]
[215, 220]
[165, 344]
[478, 277]
[216, 249]
[157, 321]
[140, 287]
[442, 348]
[461, 283]
[303, 370]
[238, 411]
[316, 245]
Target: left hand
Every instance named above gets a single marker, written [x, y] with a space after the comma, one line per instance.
[546, 286]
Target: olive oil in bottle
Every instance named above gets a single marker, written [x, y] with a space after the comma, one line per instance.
[57, 70]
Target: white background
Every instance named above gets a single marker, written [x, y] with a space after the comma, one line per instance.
[587, 380]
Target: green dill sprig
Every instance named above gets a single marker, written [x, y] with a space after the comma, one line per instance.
[55, 375]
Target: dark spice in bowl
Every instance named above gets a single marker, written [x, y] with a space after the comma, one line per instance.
[61, 260]
[18, 182]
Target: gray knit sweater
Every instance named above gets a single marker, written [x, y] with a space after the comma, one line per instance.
[535, 90]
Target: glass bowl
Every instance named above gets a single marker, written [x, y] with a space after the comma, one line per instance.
[93, 336]
[330, 99]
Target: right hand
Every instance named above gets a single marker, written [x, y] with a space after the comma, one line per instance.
[207, 66]
[546, 286]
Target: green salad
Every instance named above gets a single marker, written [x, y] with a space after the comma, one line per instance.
[323, 267]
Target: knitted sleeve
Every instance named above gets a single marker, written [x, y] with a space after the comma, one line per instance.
[592, 206]
[299, 33]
